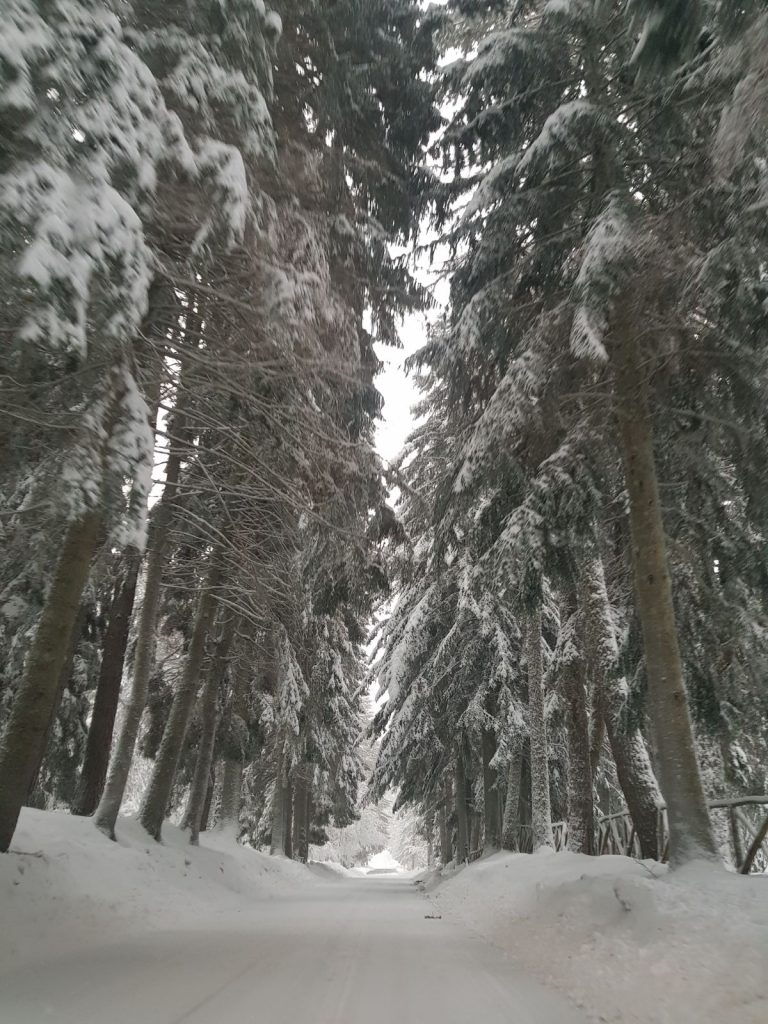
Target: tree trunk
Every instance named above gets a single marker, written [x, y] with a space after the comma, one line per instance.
[99, 742]
[300, 816]
[462, 822]
[581, 810]
[511, 824]
[490, 803]
[690, 831]
[476, 828]
[23, 740]
[208, 803]
[277, 843]
[120, 764]
[541, 815]
[158, 792]
[234, 762]
[308, 813]
[36, 796]
[596, 726]
[98, 745]
[446, 851]
[630, 754]
[288, 821]
[231, 787]
[207, 705]
[429, 828]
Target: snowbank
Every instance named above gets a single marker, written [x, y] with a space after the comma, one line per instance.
[64, 885]
[627, 941]
[331, 869]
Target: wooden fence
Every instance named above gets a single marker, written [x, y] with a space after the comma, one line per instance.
[745, 818]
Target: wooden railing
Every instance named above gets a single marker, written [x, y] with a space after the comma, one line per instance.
[746, 821]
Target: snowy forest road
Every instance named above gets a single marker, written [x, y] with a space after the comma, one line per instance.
[360, 951]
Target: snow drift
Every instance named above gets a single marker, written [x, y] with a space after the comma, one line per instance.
[66, 886]
[626, 940]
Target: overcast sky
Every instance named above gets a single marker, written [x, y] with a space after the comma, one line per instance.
[399, 391]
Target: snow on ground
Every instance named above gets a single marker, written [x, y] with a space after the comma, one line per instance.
[66, 885]
[384, 861]
[627, 941]
[93, 932]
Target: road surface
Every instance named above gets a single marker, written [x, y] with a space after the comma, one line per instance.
[356, 951]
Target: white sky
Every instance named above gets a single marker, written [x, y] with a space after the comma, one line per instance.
[398, 390]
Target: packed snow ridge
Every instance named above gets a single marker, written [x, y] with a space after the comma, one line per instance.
[133, 930]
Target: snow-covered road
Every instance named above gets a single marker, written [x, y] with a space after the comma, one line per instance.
[356, 951]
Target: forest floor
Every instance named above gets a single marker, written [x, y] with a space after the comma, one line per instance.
[92, 931]
[627, 941]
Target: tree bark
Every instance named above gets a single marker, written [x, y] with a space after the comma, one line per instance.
[277, 843]
[690, 831]
[208, 803]
[300, 816]
[207, 704]
[462, 822]
[630, 754]
[511, 825]
[106, 814]
[491, 839]
[94, 771]
[308, 813]
[541, 814]
[446, 850]
[120, 765]
[596, 726]
[288, 821]
[231, 787]
[429, 828]
[476, 828]
[234, 762]
[158, 792]
[36, 796]
[23, 740]
[581, 810]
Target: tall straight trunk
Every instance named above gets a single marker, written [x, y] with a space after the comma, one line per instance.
[446, 850]
[231, 787]
[208, 802]
[630, 754]
[596, 727]
[234, 760]
[99, 742]
[22, 746]
[510, 829]
[491, 838]
[476, 828]
[120, 765]
[462, 818]
[581, 809]
[94, 771]
[308, 815]
[111, 800]
[541, 814]
[288, 821]
[690, 830]
[207, 704]
[36, 796]
[277, 843]
[158, 794]
[300, 816]
[429, 828]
